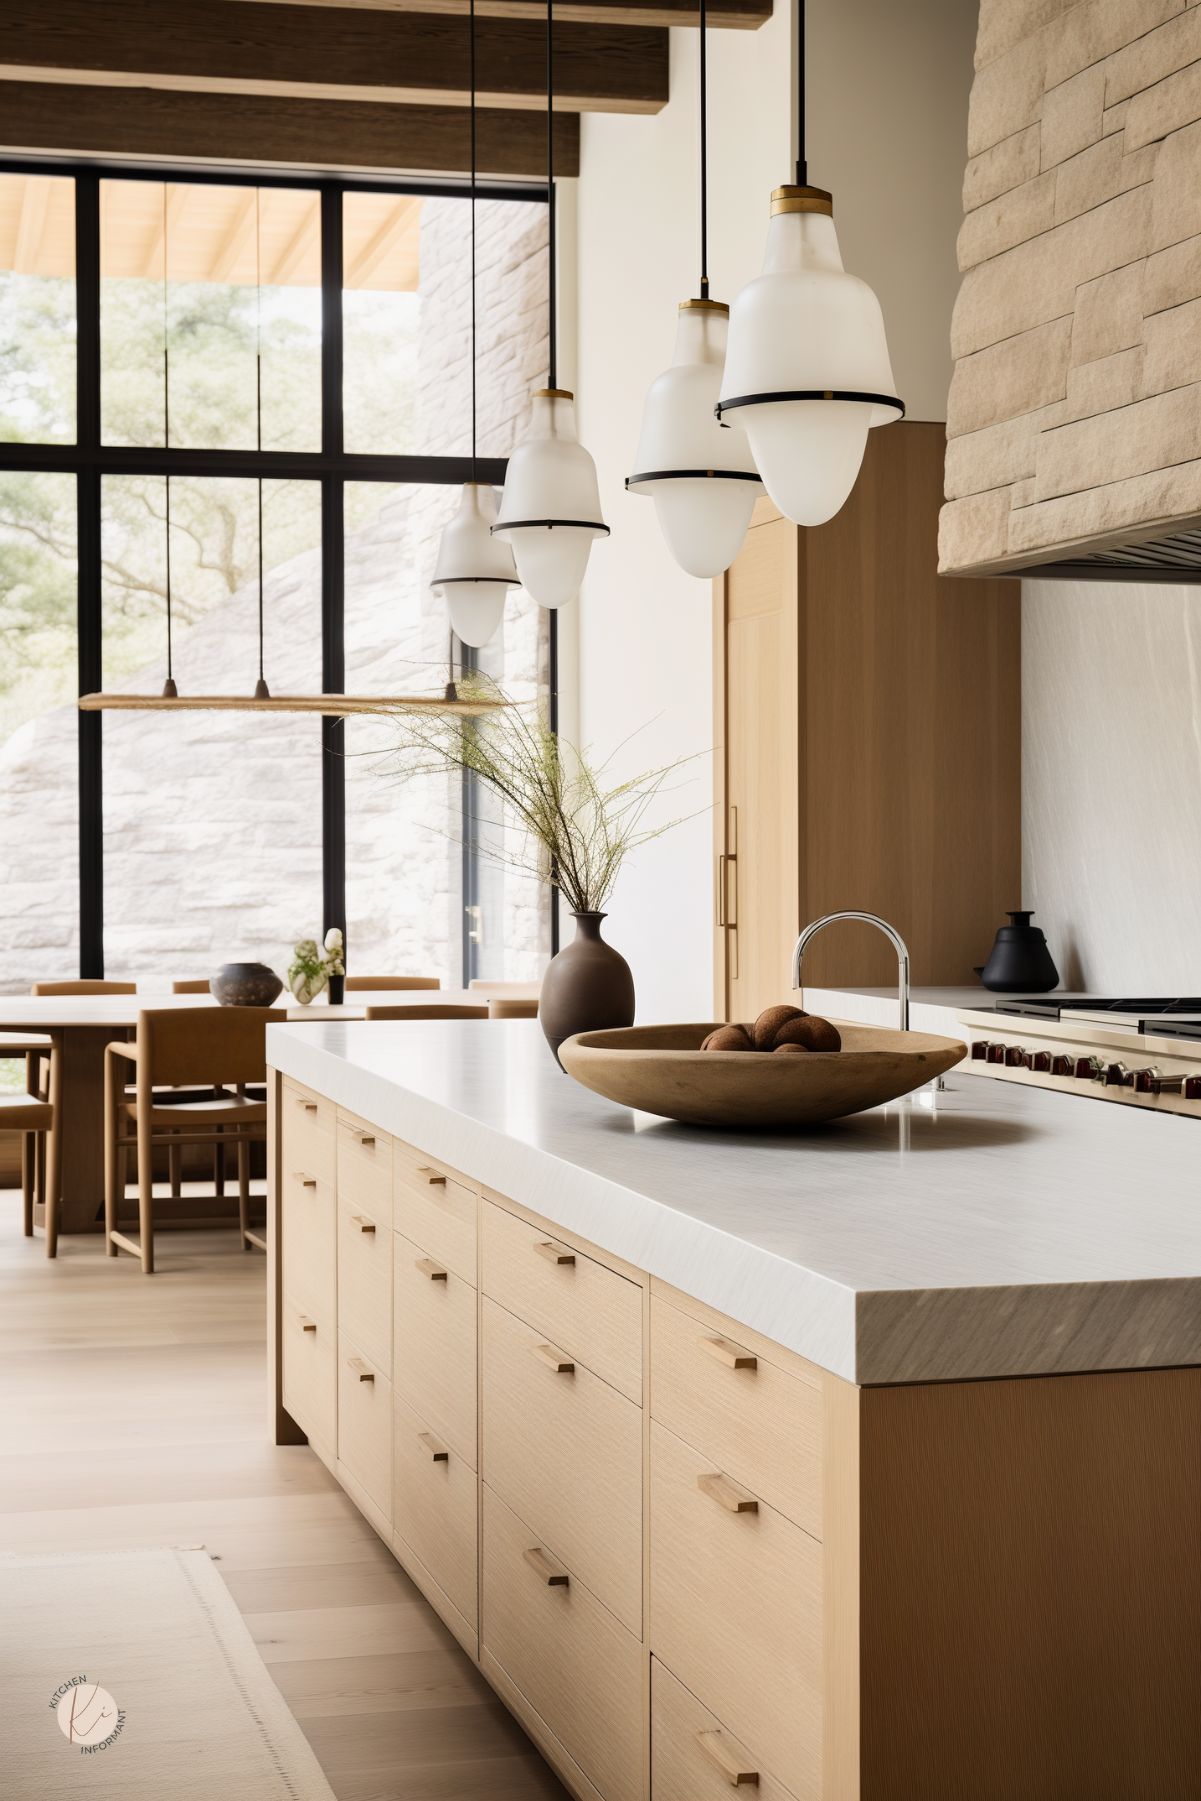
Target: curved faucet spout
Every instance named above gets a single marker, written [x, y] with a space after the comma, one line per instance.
[870, 919]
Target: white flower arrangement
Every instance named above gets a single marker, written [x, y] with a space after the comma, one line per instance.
[310, 971]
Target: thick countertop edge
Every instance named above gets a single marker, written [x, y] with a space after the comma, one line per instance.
[797, 1308]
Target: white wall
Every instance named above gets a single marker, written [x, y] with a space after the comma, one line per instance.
[888, 90]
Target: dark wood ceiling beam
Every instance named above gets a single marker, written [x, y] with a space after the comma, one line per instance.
[745, 15]
[36, 117]
[328, 53]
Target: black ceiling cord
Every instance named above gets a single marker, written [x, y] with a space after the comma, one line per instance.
[704, 161]
[553, 372]
[802, 166]
[474, 175]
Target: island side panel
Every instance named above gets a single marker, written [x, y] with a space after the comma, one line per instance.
[281, 1425]
[1030, 1603]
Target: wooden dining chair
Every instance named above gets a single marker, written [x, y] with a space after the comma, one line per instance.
[84, 985]
[37, 1072]
[218, 1048]
[501, 1006]
[504, 990]
[432, 1010]
[362, 984]
[39, 1122]
[191, 985]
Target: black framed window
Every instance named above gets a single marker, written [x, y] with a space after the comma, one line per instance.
[187, 335]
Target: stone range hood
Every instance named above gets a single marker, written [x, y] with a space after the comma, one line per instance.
[1074, 416]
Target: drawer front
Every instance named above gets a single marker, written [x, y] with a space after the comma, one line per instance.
[434, 1345]
[309, 1232]
[365, 1423]
[736, 1607]
[309, 1355]
[576, 1666]
[365, 1281]
[308, 1131]
[590, 1311]
[760, 1424]
[365, 1166]
[694, 1757]
[564, 1450]
[435, 1211]
[435, 1507]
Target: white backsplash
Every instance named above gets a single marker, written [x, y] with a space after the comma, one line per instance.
[1111, 781]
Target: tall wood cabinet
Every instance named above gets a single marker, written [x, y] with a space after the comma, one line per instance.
[869, 717]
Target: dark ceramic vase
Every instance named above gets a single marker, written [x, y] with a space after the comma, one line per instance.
[1020, 962]
[587, 987]
[245, 985]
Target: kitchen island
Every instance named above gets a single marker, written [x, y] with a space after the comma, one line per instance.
[861, 1465]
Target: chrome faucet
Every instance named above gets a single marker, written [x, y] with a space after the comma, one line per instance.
[870, 919]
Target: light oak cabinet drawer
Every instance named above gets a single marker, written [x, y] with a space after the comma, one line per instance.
[735, 1607]
[309, 1354]
[574, 1663]
[365, 1423]
[365, 1281]
[309, 1232]
[757, 1422]
[694, 1757]
[590, 1311]
[435, 1211]
[565, 1451]
[308, 1128]
[434, 1345]
[435, 1507]
[365, 1166]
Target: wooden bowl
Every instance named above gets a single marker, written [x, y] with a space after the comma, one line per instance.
[661, 1069]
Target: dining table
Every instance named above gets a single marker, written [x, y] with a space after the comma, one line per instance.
[82, 1024]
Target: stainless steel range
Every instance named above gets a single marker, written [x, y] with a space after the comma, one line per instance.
[1133, 1050]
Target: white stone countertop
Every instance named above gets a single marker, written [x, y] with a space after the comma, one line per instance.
[987, 1230]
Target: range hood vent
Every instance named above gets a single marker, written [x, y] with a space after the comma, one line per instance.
[1172, 559]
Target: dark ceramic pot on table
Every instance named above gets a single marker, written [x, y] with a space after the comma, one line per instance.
[245, 985]
[588, 987]
[1020, 962]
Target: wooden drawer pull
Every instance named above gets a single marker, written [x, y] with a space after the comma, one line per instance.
[362, 1222]
[433, 1178]
[727, 1494]
[717, 1749]
[305, 1181]
[549, 1572]
[438, 1452]
[306, 1324]
[554, 1360]
[366, 1139]
[306, 1106]
[731, 1354]
[555, 1253]
[361, 1368]
[429, 1268]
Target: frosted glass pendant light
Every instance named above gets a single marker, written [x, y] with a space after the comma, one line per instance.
[550, 509]
[474, 570]
[699, 472]
[807, 372]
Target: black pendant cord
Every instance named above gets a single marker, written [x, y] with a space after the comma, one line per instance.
[170, 692]
[704, 161]
[553, 380]
[474, 162]
[261, 690]
[802, 166]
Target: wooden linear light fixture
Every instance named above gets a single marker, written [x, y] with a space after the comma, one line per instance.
[333, 706]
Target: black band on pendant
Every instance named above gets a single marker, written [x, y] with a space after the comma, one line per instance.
[888, 400]
[517, 525]
[450, 581]
[673, 475]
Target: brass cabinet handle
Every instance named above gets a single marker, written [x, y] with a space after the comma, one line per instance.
[554, 1360]
[433, 1178]
[361, 1368]
[362, 1222]
[305, 1181]
[727, 1494]
[555, 1253]
[731, 1354]
[438, 1453]
[306, 1324]
[364, 1138]
[429, 1268]
[735, 1769]
[549, 1572]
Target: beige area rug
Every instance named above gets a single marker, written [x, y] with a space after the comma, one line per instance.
[131, 1676]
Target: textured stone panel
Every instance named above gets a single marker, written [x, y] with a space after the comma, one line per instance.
[1007, 94]
[995, 456]
[1037, 281]
[1129, 441]
[1010, 219]
[1114, 118]
[1176, 190]
[1153, 57]
[1173, 349]
[1021, 374]
[974, 530]
[1086, 33]
[1001, 27]
[1172, 276]
[1110, 381]
[1071, 116]
[1109, 314]
[1165, 108]
[1098, 174]
[1163, 497]
[1008, 164]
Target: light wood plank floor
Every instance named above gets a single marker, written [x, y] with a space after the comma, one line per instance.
[132, 1413]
